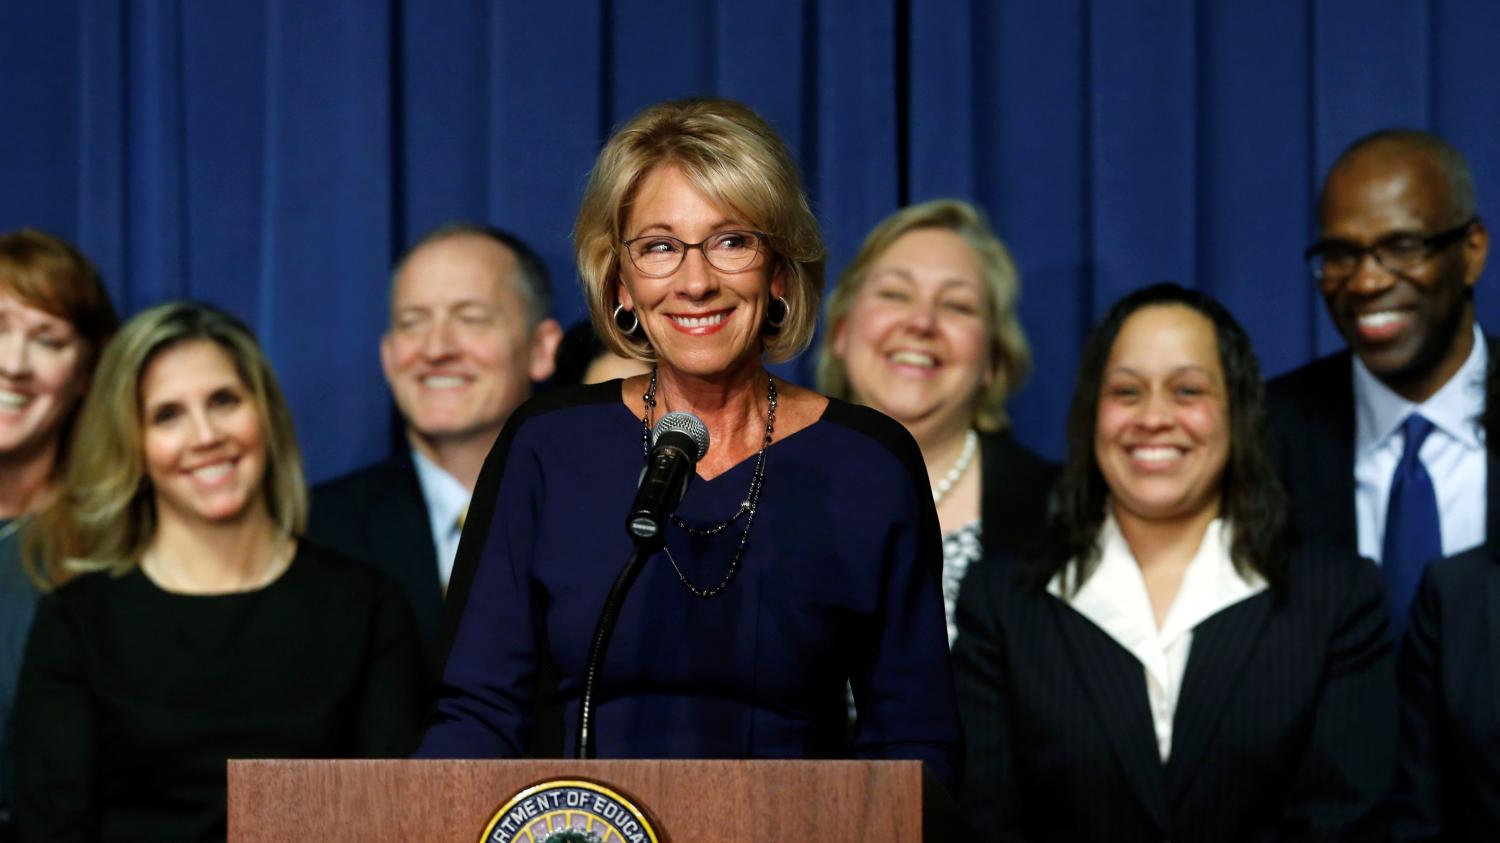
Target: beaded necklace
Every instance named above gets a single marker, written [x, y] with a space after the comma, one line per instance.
[747, 507]
[946, 483]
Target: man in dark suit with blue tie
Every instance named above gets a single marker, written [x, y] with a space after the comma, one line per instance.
[1380, 445]
[469, 334]
[1383, 449]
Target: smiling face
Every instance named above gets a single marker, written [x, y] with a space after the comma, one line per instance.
[41, 376]
[203, 445]
[459, 355]
[916, 340]
[1161, 437]
[1413, 329]
[701, 321]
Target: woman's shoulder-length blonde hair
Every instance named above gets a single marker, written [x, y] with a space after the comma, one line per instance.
[1010, 354]
[105, 515]
[737, 159]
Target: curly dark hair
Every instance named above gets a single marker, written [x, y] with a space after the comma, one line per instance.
[1254, 500]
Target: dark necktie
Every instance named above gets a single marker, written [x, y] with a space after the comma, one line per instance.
[1412, 535]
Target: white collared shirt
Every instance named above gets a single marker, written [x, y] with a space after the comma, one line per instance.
[1453, 453]
[1115, 599]
[446, 500]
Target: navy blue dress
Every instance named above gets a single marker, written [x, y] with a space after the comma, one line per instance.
[839, 583]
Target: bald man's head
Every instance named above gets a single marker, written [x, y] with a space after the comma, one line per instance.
[1401, 250]
[1392, 146]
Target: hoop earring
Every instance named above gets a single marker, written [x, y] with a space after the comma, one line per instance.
[777, 311]
[635, 321]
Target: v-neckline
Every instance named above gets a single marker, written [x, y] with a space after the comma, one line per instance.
[635, 424]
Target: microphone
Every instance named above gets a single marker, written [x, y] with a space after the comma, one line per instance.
[678, 441]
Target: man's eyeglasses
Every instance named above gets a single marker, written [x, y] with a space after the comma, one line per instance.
[1335, 261]
[659, 255]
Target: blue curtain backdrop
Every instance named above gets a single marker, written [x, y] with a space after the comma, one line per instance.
[273, 157]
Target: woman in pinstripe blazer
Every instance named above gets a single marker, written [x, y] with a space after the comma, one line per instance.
[1170, 666]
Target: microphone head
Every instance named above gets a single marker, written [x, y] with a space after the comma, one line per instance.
[686, 423]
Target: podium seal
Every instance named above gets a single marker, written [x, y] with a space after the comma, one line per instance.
[568, 811]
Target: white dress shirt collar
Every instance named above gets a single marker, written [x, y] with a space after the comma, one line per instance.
[1115, 599]
[1454, 409]
[446, 499]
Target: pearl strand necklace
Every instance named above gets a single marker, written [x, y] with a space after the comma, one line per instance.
[956, 473]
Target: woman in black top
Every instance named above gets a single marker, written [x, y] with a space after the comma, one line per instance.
[199, 627]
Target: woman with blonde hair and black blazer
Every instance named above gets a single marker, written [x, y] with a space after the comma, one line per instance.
[923, 327]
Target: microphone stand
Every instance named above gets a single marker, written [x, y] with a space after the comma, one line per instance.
[680, 439]
[602, 633]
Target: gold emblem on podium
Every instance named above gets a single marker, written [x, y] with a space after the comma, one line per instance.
[568, 811]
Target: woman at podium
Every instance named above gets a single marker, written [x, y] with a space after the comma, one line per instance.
[805, 553]
[196, 625]
[1170, 666]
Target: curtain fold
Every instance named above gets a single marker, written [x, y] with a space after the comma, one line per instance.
[274, 157]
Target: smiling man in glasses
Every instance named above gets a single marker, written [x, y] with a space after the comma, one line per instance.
[1380, 445]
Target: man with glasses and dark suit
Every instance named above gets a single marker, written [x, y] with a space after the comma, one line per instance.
[1381, 445]
[1383, 448]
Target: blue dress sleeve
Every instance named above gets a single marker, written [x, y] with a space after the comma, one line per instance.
[902, 678]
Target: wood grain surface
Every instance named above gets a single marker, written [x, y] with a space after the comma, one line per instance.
[686, 801]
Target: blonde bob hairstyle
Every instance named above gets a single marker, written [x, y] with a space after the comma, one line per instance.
[732, 155]
[105, 515]
[1010, 354]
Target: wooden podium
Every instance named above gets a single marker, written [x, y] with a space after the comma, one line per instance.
[685, 801]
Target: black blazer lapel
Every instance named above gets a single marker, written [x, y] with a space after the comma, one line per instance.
[1312, 416]
[1116, 685]
[1491, 493]
[398, 520]
[1492, 480]
[1015, 489]
[1221, 645]
[1329, 455]
[1492, 618]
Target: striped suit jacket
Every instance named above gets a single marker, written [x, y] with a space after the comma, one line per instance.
[1285, 727]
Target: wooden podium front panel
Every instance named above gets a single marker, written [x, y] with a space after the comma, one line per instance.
[686, 801]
